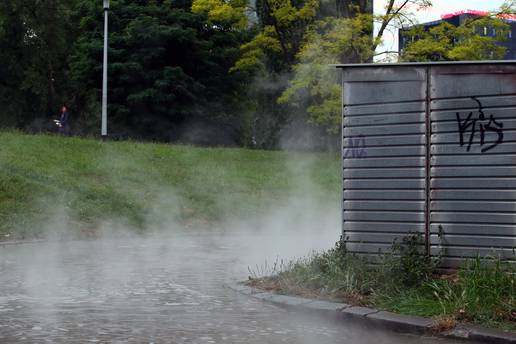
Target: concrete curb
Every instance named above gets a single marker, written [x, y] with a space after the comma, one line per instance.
[20, 242]
[390, 321]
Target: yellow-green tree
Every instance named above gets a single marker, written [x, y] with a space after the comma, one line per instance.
[280, 26]
[334, 40]
[282, 29]
[473, 40]
[315, 86]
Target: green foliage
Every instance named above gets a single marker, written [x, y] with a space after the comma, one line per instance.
[285, 33]
[331, 273]
[315, 86]
[282, 25]
[408, 264]
[403, 281]
[456, 43]
[33, 51]
[167, 67]
[255, 51]
[344, 36]
[232, 13]
[484, 292]
[243, 72]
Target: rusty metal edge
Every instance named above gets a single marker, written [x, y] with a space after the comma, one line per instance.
[420, 64]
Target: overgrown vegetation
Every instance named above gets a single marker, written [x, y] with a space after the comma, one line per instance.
[483, 291]
[73, 184]
[210, 72]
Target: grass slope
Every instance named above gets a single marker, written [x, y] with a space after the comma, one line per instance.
[86, 182]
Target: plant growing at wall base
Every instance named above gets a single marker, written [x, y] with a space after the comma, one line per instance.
[409, 263]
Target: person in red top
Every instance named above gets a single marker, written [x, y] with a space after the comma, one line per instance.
[63, 125]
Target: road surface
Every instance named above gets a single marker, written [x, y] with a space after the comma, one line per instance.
[160, 289]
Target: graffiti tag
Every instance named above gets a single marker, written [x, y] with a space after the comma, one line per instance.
[356, 148]
[485, 126]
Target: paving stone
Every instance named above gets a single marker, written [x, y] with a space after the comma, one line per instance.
[358, 311]
[263, 296]
[400, 322]
[458, 332]
[289, 300]
[325, 306]
[246, 290]
[241, 288]
[490, 336]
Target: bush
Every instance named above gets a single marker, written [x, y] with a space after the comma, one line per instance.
[408, 265]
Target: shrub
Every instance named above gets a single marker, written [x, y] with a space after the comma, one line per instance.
[408, 265]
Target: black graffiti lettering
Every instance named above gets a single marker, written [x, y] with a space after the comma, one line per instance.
[470, 123]
[498, 130]
[463, 126]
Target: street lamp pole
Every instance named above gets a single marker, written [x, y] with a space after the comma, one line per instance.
[104, 77]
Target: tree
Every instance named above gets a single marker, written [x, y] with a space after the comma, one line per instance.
[168, 67]
[334, 40]
[447, 42]
[33, 51]
[281, 27]
[315, 86]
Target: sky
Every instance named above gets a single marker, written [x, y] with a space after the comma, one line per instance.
[434, 13]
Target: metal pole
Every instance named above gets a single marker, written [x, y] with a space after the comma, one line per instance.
[104, 77]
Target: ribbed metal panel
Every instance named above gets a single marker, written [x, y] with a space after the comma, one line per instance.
[383, 156]
[473, 180]
[430, 148]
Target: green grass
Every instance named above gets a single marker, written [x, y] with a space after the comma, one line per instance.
[483, 291]
[84, 182]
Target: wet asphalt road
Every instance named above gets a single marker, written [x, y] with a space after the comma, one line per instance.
[162, 289]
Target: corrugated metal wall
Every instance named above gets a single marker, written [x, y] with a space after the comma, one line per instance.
[430, 148]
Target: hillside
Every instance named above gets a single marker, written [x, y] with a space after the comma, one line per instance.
[74, 185]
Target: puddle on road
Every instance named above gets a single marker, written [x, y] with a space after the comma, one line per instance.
[155, 290]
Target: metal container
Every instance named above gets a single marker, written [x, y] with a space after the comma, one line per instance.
[430, 148]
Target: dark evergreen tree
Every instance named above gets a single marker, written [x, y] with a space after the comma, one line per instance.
[168, 69]
[34, 38]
